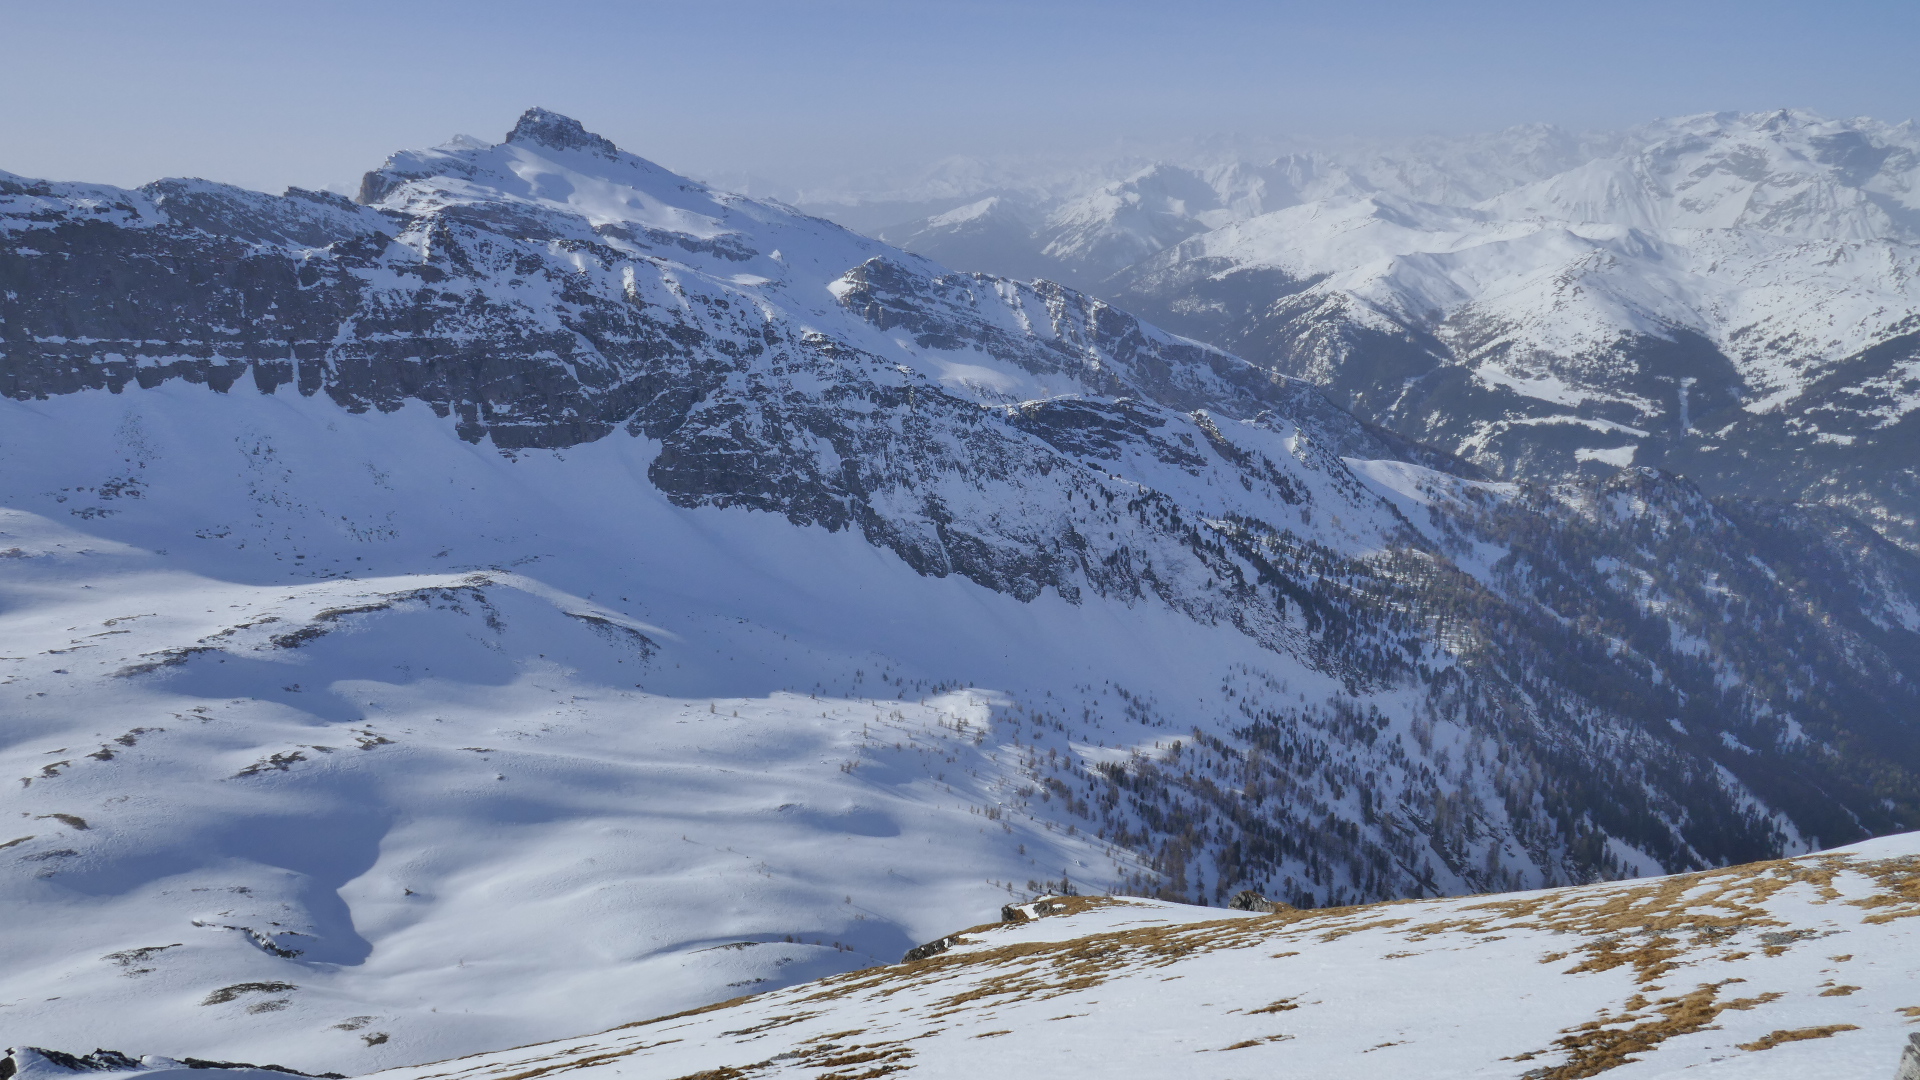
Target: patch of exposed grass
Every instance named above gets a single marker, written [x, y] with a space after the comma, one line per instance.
[1611, 1041]
[1775, 1038]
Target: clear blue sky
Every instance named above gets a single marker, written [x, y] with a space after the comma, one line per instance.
[266, 93]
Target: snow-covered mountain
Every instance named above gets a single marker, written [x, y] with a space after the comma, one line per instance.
[1790, 173]
[1730, 296]
[550, 591]
[1085, 223]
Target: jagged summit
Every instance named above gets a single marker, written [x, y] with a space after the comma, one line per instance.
[539, 134]
[556, 132]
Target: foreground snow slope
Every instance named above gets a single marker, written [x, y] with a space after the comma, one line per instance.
[1784, 969]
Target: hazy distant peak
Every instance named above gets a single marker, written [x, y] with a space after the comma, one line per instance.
[991, 206]
[464, 142]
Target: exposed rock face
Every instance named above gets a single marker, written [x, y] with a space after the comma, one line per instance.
[39, 1063]
[1621, 673]
[1909, 1060]
[931, 948]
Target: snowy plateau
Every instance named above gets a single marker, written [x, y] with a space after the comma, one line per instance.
[547, 593]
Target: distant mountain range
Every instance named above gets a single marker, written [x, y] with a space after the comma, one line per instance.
[548, 591]
[1732, 297]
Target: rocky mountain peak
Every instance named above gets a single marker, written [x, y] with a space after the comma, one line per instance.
[557, 132]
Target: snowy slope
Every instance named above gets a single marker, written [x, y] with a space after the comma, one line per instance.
[380, 583]
[1782, 969]
[1531, 301]
[1081, 223]
[1742, 229]
[1785, 173]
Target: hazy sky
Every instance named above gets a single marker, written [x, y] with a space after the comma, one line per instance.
[267, 93]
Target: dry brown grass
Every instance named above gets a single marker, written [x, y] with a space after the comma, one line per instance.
[1651, 927]
[772, 1022]
[1599, 1045]
[1244, 1043]
[682, 1014]
[1899, 880]
[587, 1061]
[1650, 959]
[1775, 1038]
[1075, 905]
[855, 1061]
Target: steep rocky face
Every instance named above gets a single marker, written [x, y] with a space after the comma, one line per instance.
[1532, 685]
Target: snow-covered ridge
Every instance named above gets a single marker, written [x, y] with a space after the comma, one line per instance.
[1783, 308]
[1731, 296]
[552, 175]
[1781, 969]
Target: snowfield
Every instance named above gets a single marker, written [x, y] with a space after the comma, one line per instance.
[1538, 296]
